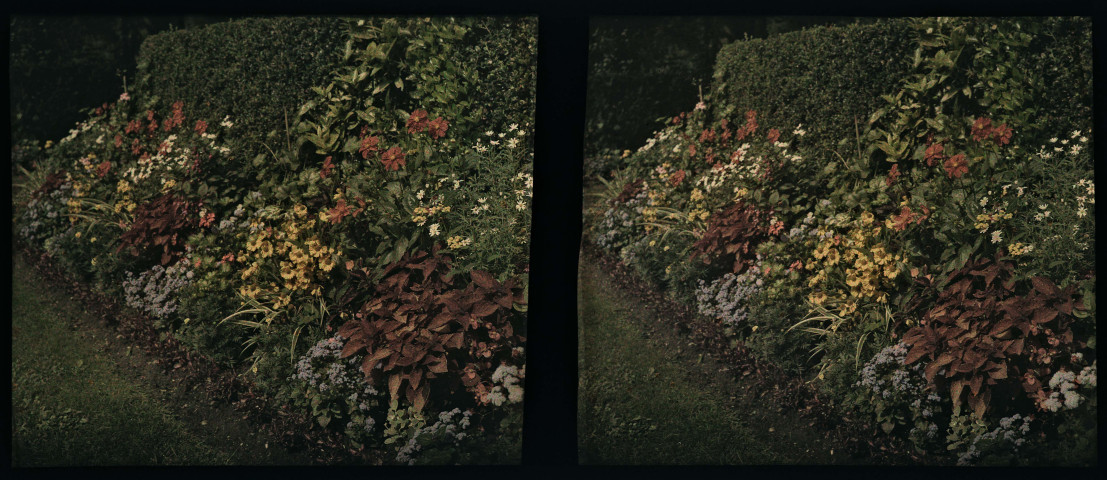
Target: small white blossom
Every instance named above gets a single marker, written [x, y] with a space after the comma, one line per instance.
[434, 230]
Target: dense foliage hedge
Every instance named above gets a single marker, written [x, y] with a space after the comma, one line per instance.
[936, 273]
[366, 266]
[641, 69]
[828, 79]
[256, 70]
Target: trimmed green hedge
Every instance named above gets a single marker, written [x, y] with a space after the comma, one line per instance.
[255, 70]
[826, 77]
[822, 77]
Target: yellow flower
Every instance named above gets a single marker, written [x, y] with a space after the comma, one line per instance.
[817, 298]
[265, 250]
[890, 271]
[866, 218]
[832, 256]
[92, 240]
[851, 278]
[300, 210]
[847, 308]
[78, 234]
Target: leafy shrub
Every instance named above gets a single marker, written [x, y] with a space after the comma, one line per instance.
[983, 335]
[420, 328]
[733, 233]
[164, 222]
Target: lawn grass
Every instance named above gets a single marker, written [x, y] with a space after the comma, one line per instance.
[71, 406]
[637, 403]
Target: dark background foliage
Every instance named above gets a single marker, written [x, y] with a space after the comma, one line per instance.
[59, 65]
[644, 68]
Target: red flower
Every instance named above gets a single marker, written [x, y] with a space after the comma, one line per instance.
[118, 140]
[136, 148]
[1002, 134]
[893, 174]
[132, 127]
[393, 159]
[368, 145]
[708, 135]
[176, 117]
[934, 154]
[103, 168]
[774, 135]
[208, 219]
[981, 129]
[437, 127]
[201, 127]
[691, 150]
[677, 177]
[417, 121]
[775, 229]
[750, 126]
[957, 166]
[339, 211]
[227, 258]
[327, 167]
[904, 218]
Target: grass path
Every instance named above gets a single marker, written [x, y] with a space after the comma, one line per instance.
[81, 397]
[646, 397]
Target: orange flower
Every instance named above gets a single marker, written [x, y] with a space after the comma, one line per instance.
[676, 177]
[393, 159]
[774, 135]
[934, 154]
[437, 127]
[417, 121]
[957, 166]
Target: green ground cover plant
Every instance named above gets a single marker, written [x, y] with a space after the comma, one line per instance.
[901, 212]
[302, 238]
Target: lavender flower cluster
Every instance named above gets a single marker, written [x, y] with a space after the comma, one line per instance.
[236, 220]
[726, 297]
[611, 229]
[323, 370]
[43, 212]
[506, 385]
[154, 291]
[448, 428]
[1065, 385]
[1011, 431]
[888, 378]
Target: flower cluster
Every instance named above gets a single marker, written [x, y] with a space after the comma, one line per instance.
[725, 298]
[1011, 434]
[448, 429]
[155, 291]
[339, 385]
[890, 385]
[506, 385]
[1064, 386]
[295, 247]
